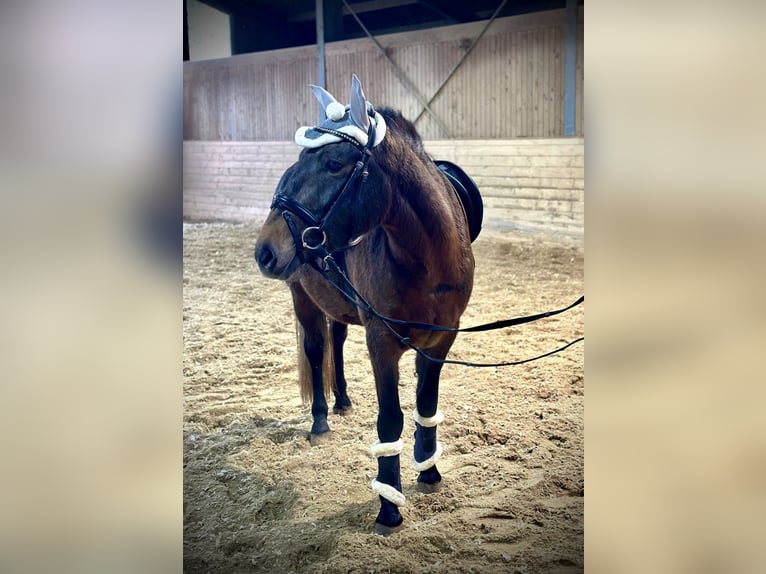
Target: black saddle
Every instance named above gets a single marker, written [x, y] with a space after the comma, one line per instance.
[468, 193]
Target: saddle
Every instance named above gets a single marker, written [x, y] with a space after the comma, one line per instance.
[468, 193]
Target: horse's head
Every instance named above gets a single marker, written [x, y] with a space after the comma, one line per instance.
[333, 194]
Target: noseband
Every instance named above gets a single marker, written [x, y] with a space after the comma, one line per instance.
[313, 239]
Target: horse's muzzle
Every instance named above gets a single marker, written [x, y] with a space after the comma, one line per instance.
[271, 264]
[266, 258]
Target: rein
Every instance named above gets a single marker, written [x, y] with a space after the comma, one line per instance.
[314, 239]
[360, 302]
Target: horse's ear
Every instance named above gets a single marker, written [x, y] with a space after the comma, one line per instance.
[325, 98]
[358, 104]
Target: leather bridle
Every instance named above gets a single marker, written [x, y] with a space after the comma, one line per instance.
[313, 239]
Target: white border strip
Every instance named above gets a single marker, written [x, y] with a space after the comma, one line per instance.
[437, 419]
[388, 492]
[430, 461]
[378, 449]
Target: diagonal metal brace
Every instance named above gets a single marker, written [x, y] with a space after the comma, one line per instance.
[460, 63]
[401, 75]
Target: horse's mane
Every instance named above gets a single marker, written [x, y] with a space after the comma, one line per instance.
[416, 178]
[402, 128]
[402, 151]
[401, 140]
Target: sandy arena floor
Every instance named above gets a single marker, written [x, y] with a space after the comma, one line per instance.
[259, 498]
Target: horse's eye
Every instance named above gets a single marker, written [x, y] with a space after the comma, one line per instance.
[334, 166]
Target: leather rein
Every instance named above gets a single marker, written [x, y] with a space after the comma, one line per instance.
[314, 239]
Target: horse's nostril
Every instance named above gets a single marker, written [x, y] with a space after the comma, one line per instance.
[266, 257]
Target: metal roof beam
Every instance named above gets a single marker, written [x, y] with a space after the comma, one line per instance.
[453, 13]
[359, 8]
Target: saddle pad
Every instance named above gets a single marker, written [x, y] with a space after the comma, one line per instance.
[468, 193]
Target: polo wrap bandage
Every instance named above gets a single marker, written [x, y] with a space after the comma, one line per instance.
[388, 492]
[379, 449]
[386, 449]
[430, 461]
[428, 422]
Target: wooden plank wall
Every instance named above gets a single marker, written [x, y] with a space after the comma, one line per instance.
[510, 86]
[528, 184]
[232, 181]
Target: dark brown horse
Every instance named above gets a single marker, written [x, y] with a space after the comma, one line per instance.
[380, 207]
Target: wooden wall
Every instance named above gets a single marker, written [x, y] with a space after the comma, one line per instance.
[527, 184]
[510, 86]
[233, 181]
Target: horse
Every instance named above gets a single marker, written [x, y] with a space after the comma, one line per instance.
[365, 194]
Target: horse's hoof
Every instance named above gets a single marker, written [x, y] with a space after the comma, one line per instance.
[429, 480]
[383, 530]
[317, 439]
[342, 405]
[320, 426]
[428, 487]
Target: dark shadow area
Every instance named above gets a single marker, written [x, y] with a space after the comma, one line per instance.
[241, 521]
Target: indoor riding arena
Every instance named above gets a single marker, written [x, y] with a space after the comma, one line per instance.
[505, 91]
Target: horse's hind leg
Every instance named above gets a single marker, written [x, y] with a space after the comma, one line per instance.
[427, 449]
[313, 323]
[342, 402]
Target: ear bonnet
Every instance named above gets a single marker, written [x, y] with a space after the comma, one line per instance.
[352, 120]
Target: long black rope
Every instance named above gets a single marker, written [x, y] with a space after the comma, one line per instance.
[359, 301]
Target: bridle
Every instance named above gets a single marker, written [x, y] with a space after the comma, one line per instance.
[313, 239]
[330, 263]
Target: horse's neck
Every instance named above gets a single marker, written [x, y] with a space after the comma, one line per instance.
[421, 230]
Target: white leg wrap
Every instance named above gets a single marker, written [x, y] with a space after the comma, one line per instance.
[387, 491]
[437, 419]
[386, 448]
[430, 461]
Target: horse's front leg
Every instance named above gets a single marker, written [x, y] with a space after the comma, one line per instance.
[385, 353]
[427, 417]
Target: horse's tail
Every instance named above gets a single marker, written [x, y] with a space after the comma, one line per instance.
[304, 367]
